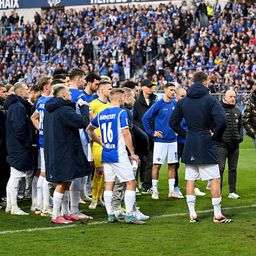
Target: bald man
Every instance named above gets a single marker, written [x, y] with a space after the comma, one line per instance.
[228, 146]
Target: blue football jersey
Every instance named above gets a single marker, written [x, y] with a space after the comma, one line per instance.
[40, 107]
[75, 93]
[111, 121]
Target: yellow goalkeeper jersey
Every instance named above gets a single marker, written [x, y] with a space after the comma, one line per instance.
[96, 107]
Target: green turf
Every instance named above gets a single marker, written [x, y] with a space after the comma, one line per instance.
[160, 236]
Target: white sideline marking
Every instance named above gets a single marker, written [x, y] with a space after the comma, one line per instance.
[104, 222]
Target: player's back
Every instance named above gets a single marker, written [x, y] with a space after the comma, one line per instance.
[111, 122]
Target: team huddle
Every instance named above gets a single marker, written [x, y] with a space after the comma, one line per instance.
[94, 138]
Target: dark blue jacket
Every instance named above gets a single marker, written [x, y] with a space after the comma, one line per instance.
[64, 157]
[18, 133]
[203, 113]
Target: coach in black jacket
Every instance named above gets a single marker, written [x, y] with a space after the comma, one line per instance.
[19, 143]
[228, 146]
[206, 122]
[64, 156]
[144, 101]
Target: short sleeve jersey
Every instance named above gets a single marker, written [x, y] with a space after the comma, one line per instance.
[96, 107]
[75, 93]
[40, 108]
[111, 122]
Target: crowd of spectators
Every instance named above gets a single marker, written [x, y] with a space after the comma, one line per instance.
[165, 43]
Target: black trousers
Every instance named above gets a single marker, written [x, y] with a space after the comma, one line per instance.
[4, 172]
[231, 155]
[180, 152]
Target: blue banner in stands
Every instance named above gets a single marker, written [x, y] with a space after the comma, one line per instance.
[22, 4]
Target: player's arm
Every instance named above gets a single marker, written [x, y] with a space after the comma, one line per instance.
[35, 119]
[90, 130]
[175, 120]
[147, 119]
[220, 120]
[127, 135]
[128, 142]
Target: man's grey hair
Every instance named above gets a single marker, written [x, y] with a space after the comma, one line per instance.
[19, 85]
[57, 88]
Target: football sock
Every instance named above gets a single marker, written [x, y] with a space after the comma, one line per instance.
[191, 199]
[95, 186]
[100, 188]
[216, 202]
[108, 201]
[65, 209]
[34, 191]
[13, 184]
[39, 200]
[83, 186]
[89, 185]
[75, 191]
[171, 183]
[129, 200]
[46, 195]
[155, 185]
[8, 196]
[57, 201]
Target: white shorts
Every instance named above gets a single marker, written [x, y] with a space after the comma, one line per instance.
[17, 174]
[165, 152]
[202, 171]
[123, 171]
[42, 159]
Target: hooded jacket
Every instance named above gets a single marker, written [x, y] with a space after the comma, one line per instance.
[64, 157]
[141, 107]
[18, 133]
[249, 116]
[203, 114]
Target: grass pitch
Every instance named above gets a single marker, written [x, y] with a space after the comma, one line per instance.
[167, 233]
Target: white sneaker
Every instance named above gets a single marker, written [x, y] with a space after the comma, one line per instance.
[177, 191]
[175, 195]
[17, 211]
[140, 216]
[155, 195]
[199, 193]
[8, 209]
[101, 203]
[93, 205]
[120, 214]
[233, 196]
[83, 216]
[81, 201]
[47, 213]
[86, 198]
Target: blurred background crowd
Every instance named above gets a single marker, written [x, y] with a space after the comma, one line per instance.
[163, 43]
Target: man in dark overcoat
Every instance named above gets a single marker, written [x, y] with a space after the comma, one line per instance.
[206, 123]
[64, 157]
